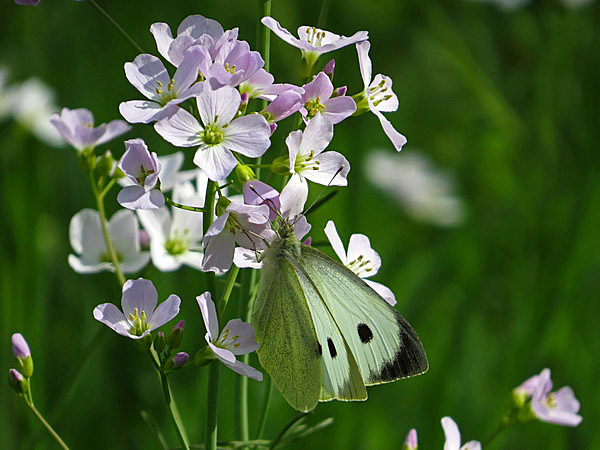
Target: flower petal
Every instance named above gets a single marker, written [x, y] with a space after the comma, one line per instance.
[240, 337]
[332, 170]
[383, 291]
[317, 135]
[165, 312]
[144, 111]
[145, 72]
[397, 139]
[216, 161]
[281, 32]
[139, 294]
[360, 245]
[181, 129]
[114, 128]
[245, 370]
[364, 62]
[112, 317]
[187, 72]
[223, 354]
[320, 87]
[452, 434]
[209, 315]
[80, 265]
[85, 233]
[246, 258]
[248, 135]
[293, 196]
[163, 37]
[339, 108]
[335, 241]
[218, 252]
[218, 106]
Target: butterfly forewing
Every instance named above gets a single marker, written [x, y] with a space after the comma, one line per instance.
[383, 344]
[340, 377]
[288, 343]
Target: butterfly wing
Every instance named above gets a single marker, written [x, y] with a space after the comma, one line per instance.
[288, 343]
[384, 345]
[340, 376]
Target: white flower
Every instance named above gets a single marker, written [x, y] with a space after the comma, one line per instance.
[426, 192]
[360, 259]
[176, 234]
[87, 240]
[170, 174]
[453, 437]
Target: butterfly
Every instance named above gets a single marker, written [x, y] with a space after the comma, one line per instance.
[324, 334]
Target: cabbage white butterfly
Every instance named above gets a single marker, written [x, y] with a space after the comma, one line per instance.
[324, 333]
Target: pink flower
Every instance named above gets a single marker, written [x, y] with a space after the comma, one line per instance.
[317, 99]
[237, 338]
[410, 443]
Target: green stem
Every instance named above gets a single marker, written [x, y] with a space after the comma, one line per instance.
[323, 13]
[115, 24]
[265, 408]
[180, 206]
[50, 430]
[501, 427]
[233, 273]
[266, 54]
[241, 383]
[174, 412]
[285, 429]
[103, 224]
[212, 406]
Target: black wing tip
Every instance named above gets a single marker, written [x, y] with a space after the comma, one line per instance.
[410, 360]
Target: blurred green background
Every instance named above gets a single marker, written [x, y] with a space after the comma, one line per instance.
[507, 102]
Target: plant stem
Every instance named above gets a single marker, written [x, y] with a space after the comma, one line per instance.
[241, 383]
[50, 430]
[174, 412]
[233, 273]
[103, 224]
[180, 206]
[266, 54]
[212, 406]
[115, 24]
[490, 437]
[285, 429]
[323, 13]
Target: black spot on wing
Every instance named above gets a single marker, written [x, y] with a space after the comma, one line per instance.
[332, 350]
[364, 333]
[319, 348]
[409, 360]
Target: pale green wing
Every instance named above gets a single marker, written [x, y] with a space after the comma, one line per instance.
[384, 345]
[340, 377]
[288, 344]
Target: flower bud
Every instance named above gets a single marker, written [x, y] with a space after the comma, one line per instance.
[16, 381]
[105, 164]
[281, 165]
[410, 443]
[329, 68]
[144, 344]
[180, 359]
[23, 354]
[160, 342]
[308, 241]
[222, 205]
[176, 335]
[340, 92]
[273, 127]
[204, 356]
[244, 173]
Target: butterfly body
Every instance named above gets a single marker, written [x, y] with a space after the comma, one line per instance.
[324, 333]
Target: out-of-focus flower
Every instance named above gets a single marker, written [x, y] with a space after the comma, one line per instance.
[360, 259]
[27, 2]
[560, 407]
[143, 169]
[85, 234]
[237, 338]
[176, 234]
[425, 192]
[193, 30]
[505, 5]
[17, 381]
[32, 104]
[307, 161]
[245, 225]
[453, 437]
[140, 316]
[221, 133]
[317, 100]
[20, 346]
[313, 41]
[76, 126]
[411, 443]
[377, 96]
[149, 76]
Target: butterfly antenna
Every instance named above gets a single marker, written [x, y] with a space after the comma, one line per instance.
[316, 200]
[267, 202]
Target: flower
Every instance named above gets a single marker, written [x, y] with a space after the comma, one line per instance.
[176, 234]
[221, 133]
[194, 29]
[377, 95]
[453, 437]
[360, 259]
[140, 315]
[170, 174]
[149, 76]
[284, 105]
[232, 64]
[313, 41]
[410, 443]
[85, 234]
[76, 126]
[27, 2]
[317, 100]
[246, 225]
[237, 338]
[31, 103]
[261, 84]
[560, 407]
[142, 168]
[425, 191]
[307, 162]
[19, 346]
[180, 359]
[258, 193]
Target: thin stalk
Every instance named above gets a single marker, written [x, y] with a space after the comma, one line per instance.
[265, 408]
[185, 207]
[213, 374]
[174, 412]
[233, 273]
[266, 54]
[103, 224]
[323, 13]
[494, 434]
[50, 430]
[241, 383]
[285, 429]
[115, 24]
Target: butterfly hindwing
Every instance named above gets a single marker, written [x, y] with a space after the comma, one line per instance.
[340, 377]
[383, 344]
[288, 343]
